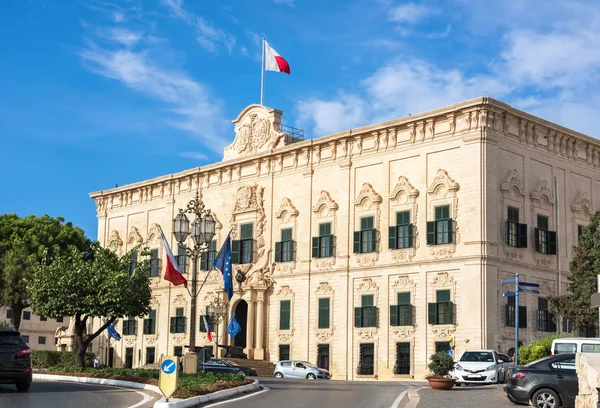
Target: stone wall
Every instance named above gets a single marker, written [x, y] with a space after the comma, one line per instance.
[588, 373]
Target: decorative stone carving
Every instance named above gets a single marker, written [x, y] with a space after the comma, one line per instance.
[249, 198]
[443, 332]
[325, 200]
[286, 207]
[285, 336]
[154, 233]
[512, 186]
[443, 279]
[286, 267]
[179, 300]
[442, 184]
[542, 197]
[403, 186]
[403, 332]
[180, 339]
[403, 282]
[324, 263]
[367, 286]
[403, 255]
[115, 243]
[369, 259]
[324, 288]
[324, 334]
[130, 340]
[582, 206]
[285, 292]
[442, 252]
[134, 238]
[367, 334]
[369, 194]
[150, 340]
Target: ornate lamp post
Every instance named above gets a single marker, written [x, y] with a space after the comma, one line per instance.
[202, 232]
[217, 310]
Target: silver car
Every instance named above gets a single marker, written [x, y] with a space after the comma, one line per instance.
[299, 369]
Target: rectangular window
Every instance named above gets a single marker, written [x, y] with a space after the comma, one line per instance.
[442, 346]
[59, 319]
[42, 340]
[509, 314]
[9, 314]
[154, 264]
[150, 323]
[207, 260]
[366, 363]
[150, 355]
[324, 313]
[182, 258]
[284, 314]
[545, 240]
[284, 352]
[284, 250]
[323, 356]
[545, 319]
[516, 234]
[129, 326]
[439, 231]
[26, 315]
[366, 314]
[400, 236]
[365, 240]
[402, 364]
[241, 250]
[178, 321]
[178, 351]
[322, 245]
[133, 260]
[401, 314]
[25, 338]
[43, 319]
[442, 311]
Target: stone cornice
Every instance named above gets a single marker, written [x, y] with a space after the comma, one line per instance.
[466, 117]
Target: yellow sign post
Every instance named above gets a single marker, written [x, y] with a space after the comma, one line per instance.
[169, 375]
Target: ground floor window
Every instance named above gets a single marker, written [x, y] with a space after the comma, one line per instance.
[284, 352]
[402, 365]
[129, 357]
[150, 355]
[366, 359]
[323, 356]
[442, 346]
[178, 351]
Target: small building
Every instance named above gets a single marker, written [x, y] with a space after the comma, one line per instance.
[40, 333]
[365, 250]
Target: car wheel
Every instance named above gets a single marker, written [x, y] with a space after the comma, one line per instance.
[278, 375]
[545, 398]
[23, 387]
[311, 376]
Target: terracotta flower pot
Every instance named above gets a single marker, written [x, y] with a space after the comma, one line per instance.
[441, 383]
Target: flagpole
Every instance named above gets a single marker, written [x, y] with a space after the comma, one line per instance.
[262, 73]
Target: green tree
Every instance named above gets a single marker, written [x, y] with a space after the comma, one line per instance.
[89, 284]
[584, 267]
[23, 241]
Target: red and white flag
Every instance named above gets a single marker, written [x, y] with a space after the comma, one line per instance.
[172, 273]
[207, 328]
[274, 61]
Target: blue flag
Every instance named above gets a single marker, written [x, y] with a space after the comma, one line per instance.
[113, 332]
[223, 263]
[233, 328]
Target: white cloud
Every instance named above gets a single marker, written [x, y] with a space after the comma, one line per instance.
[328, 116]
[409, 13]
[286, 2]
[124, 36]
[194, 155]
[118, 17]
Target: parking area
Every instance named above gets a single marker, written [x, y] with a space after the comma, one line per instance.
[474, 396]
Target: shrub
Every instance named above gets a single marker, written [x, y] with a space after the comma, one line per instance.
[536, 349]
[440, 364]
[53, 358]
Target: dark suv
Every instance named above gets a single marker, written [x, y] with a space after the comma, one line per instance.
[15, 359]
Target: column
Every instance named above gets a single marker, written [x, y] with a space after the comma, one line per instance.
[259, 351]
[249, 350]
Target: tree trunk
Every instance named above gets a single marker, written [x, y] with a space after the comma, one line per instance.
[80, 345]
[17, 312]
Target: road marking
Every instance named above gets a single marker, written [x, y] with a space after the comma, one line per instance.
[396, 403]
[265, 389]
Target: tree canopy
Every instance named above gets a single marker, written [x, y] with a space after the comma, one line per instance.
[85, 285]
[23, 243]
[584, 268]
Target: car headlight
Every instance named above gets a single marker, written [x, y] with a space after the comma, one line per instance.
[490, 367]
[458, 367]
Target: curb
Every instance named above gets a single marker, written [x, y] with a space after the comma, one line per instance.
[413, 397]
[103, 381]
[190, 402]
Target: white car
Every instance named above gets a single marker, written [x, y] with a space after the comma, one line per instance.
[481, 367]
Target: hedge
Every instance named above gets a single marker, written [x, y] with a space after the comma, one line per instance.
[53, 358]
[537, 349]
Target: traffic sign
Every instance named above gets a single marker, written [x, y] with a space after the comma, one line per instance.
[505, 281]
[533, 285]
[535, 292]
[169, 375]
[508, 294]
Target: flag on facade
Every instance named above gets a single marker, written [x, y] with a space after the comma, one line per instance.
[233, 328]
[223, 263]
[113, 332]
[172, 272]
[207, 328]
[274, 61]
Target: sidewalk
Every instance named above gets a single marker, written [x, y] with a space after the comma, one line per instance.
[474, 396]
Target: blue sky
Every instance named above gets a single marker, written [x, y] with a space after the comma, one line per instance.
[96, 93]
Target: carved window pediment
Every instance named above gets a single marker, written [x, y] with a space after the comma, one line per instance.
[542, 197]
[514, 184]
[403, 186]
[286, 206]
[154, 234]
[325, 200]
[134, 237]
[442, 184]
[369, 193]
[115, 243]
[582, 206]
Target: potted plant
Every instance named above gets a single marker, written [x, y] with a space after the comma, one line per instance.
[440, 365]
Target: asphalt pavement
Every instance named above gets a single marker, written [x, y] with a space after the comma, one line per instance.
[51, 394]
[472, 396]
[322, 393]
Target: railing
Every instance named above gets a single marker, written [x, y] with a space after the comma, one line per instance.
[295, 133]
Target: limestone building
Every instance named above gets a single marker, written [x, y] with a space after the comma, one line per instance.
[40, 333]
[365, 250]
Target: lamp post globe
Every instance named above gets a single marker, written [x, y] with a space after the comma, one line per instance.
[198, 231]
[181, 227]
[209, 229]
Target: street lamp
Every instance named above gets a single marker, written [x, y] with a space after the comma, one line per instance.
[217, 310]
[202, 232]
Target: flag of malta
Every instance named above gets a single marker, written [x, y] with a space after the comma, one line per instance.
[274, 61]
[172, 273]
[208, 335]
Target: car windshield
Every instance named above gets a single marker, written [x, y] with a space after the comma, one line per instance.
[232, 363]
[309, 364]
[10, 339]
[478, 356]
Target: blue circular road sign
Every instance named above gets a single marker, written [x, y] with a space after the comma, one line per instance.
[168, 366]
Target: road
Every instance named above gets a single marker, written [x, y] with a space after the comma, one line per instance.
[51, 394]
[330, 394]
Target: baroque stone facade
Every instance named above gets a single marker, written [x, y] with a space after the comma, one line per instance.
[452, 174]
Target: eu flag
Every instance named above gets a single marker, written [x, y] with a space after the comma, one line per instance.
[233, 328]
[113, 332]
[223, 263]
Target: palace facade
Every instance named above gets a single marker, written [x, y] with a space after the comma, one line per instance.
[364, 251]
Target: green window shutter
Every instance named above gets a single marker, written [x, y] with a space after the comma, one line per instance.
[410, 235]
[284, 315]
[442, 296]
[235, 252]
[246, 231]
[432, 313]
[325, 229]
[537, 239]
[367, 300]
[409, 320]
[323, 313]
[332, 245]
[357, 242]
[450, 232]
[278, 252]
[315, 247]
[373, 317]
[172, 328]
[431, 232]
[394, 315]
[404, 298]
[374, 240]
[522, 235]
[204, 261]
[507, 229]
[552, 242]
[358, 317]
[450, 312]
[146, 326]
[286, 234]
[392, 242]
[438, 213]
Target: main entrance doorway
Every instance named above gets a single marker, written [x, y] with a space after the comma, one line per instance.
[241, 315]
